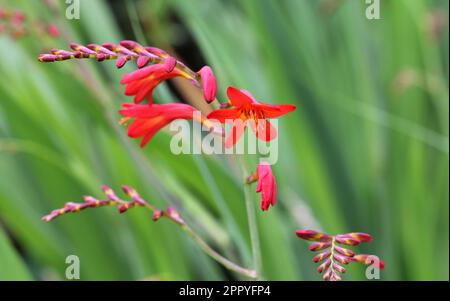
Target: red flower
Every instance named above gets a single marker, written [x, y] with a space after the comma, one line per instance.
[266, 185]
[148, 120]
[334, 255]
[247, 108]
[142, 82]
[208, 83]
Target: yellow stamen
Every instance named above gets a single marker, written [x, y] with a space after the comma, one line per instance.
[124, 120]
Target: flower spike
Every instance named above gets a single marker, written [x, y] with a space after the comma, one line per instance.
[91, 202]
[334, 256]
[139, 83]
[170, 213]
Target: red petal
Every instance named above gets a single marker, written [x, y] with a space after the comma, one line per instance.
[141, 127]
[223, 114]
[238, 129]
[133, 87]
[150, 119]
[145, 91]
[238, 98]
[264, 170]
[141, 73]
[274, 192]
[264, 130]
[267, 189]
[273, 111]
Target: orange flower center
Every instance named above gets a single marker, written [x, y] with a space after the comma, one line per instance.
[249, 113]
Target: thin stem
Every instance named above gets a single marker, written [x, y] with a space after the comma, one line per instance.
[216, 256]
[206, 248]
[252, 223]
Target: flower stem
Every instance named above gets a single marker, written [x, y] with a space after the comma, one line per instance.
[206, 248]
[216, 256]
[252, 223]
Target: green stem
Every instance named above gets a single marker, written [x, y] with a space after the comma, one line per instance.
[206, 248]
[216, 256]
[252, 223]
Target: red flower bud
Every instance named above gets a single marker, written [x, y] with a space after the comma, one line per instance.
[321, 256]
[173, 214]
[335, 255]
[157, 215]
[317, 246]
[208, 83]
[110, 193]
[170, 64]
[312, 235]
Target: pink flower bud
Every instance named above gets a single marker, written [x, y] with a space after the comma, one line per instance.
[208, 83]
[321, 256]
[173, 214]
[312, 235]
[47, 57]
[129, 44]
[91, 201]
[324, 265]
[121, 61]
[124, 207]
[157, 215]
[143, 61]
[317, 246]
[110, 193]
[170, 64]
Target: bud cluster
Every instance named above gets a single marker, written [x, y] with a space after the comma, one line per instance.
[113, 200]
[333, 256]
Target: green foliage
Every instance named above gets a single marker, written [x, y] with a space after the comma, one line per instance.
[366, 150]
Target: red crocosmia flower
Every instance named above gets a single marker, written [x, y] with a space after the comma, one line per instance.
[148, 120]
[142, 82]
[208, 83]
[246, 108]
[266, 185]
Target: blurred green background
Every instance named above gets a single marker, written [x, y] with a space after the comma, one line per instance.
[367, 149]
